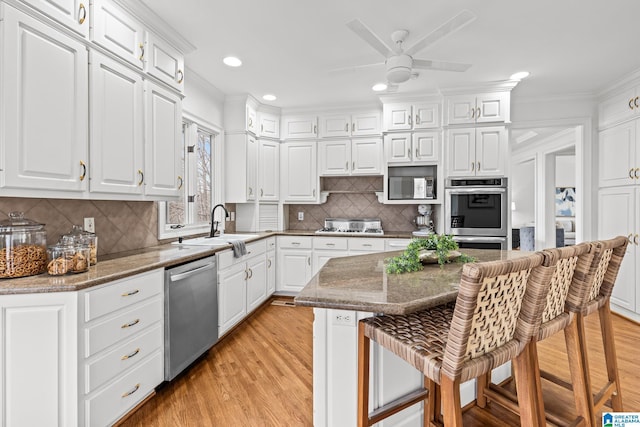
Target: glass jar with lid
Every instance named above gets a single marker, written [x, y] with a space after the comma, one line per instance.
[86, 238]
[59, 257]
[75, 253]
[23, 247]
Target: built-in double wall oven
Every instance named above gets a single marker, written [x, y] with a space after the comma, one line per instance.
[476, 212]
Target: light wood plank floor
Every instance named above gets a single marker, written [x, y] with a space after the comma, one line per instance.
[261, 375]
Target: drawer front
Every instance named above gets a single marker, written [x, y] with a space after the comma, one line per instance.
[271, 244]
[364, 244]
[226, 258]
[122, 326]
[123, 357]
[126, 392]
[397, 244]
[334, 243]
[294, 242]
[122, 293]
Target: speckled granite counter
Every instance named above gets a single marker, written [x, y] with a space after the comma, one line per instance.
[361, 283]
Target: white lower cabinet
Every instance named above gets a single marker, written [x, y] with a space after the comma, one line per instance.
[271, 266]
[121, 345]
[294, 263]
[242, 284]
[39, 359]
[325, 248]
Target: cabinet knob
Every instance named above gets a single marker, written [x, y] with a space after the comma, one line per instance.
[82, 14]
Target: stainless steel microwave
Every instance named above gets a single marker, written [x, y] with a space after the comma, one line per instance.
[412, 188]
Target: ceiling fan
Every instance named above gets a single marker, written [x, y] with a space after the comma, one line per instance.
[400, 63]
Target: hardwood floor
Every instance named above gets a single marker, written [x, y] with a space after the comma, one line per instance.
[261, 375]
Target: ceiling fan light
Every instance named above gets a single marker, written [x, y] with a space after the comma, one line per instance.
[399, 68]
[379, 87]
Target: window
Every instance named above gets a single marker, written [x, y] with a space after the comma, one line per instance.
[192, 213]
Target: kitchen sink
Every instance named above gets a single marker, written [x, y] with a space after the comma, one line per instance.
[216, 241]
[229, 236]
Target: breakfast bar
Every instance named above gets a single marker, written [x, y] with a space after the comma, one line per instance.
[348, 289]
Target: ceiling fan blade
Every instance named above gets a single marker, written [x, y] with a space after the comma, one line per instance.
[454, 24]
[354, 68]
[369, 36]
[426, 64]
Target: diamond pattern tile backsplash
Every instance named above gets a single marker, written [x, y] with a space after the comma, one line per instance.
[360, 202]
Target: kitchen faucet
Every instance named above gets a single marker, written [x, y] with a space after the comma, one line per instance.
[214, 224]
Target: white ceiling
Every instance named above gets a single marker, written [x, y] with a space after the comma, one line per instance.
[289, 47]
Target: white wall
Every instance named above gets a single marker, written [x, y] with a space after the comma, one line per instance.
[202, 99]
[566, 171]
[523, 193]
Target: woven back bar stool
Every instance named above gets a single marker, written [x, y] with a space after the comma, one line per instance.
[608, 255]
[572, 274]
[497, 311]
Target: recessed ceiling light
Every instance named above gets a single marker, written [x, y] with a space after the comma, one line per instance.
[521, 75]
[379, 87]
[269, 97]
[232, 61]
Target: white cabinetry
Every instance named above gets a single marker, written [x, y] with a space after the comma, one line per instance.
[298, 178]
[39, 362]
[122, 346]
[242, 284]
[268, 184]
[271, 266]
[269, 125]
[482, 108]
[325, 248]
[476, 151]
[619, 106]
[117, 31]
[294, 263]
[350, 157]
[299, 127]
[43, 127]
[414, 147]
[241, 155]
[164, 62]
[619, 156]
[163, 160]
[73, 14]
[406, 116]
[117, 127]
[345, 125]
[252, 119]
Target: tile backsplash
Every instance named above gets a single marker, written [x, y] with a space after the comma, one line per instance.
[354, 197]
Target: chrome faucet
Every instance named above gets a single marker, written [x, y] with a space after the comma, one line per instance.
[214, 224]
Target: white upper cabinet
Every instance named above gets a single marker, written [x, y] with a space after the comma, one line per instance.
[118, 32]
[163, 160]
[483, 108]
[43, 129]
[268, 170]
[619, 107]
[299, 127]
[117, 127]
[476, 151]
[299, 177]
[345, 125]
[241, 156]
[407, 116]
[252, 120]
[350, 157]
[164, 62]
[406, 147]
[269, 125]
[73, 14]
[618, 155]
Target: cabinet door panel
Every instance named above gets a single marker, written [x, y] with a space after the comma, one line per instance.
[461, 153]
[232, 297]
[117, 133]
[491, 151]
[617, 155]
[163, 161]
[618, 107]
[165, 62]
[294, 270]
[118, 32]
[73, 14]
[271, 272]
[299, 177]
[461, 109]
[335, 157]
[492, 107]
[300, 127]
[366, 156]
[269, 169]
[397, 116]
[426, 116]
[333, 126]
[426, 146]
[398, 147]
[269, 125]
[44, 78]
[256, 283]
[366, 124]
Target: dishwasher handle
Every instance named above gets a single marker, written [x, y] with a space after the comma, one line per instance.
[189, 273]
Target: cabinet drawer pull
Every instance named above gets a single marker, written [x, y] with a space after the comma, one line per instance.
[346, 127]
[410, 120]
[181, 182]
[130, 392]
[295, 243]
[130, 324]
[629, 236]
[250, 191]
[635, 240]
[417, 119]
[635, 173]
[250, 122]
[473, 166]
[246, 275]
[346, 166]
[141, 177]
[261, 192]
[473, 113]
[315, 129]
[141, 45]
[417, 154]
[330, 244]
[314, 192]
[82, 10]
[130, 355]
[353, 166]
[181, 78]
[353, 127]
[631, 173]
[268, 263]
[309, 261]
[83, 175]
[409, 152]
[128, 294]
[478, 113]
[631, 104]
[368, 245]
[478, 168]
[635, 102]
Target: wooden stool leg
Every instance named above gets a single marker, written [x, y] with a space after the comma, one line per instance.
[452, 410]
[606, 326]
[535, 366]
[526, 388]
[363, 377]
[482, 382]
[578, 365]
[430, 415]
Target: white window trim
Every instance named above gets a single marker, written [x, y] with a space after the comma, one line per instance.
[164, 232]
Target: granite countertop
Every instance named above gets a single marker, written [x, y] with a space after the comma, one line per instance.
[125, 264]
[361, 283]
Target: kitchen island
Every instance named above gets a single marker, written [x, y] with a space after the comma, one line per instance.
[348, 289]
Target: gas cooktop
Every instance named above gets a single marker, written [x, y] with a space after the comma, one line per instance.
[353, 226]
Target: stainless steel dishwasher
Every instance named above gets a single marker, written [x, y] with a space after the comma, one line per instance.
[191, 313]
